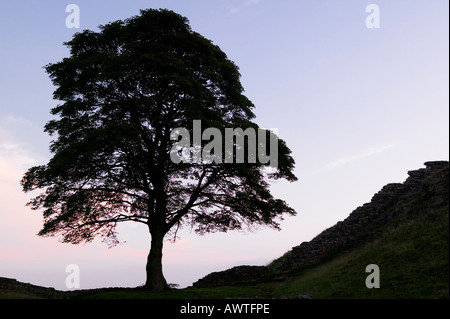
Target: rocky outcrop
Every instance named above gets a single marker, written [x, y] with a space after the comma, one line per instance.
[240, 275]
[423, 191]
[9, 285]
[15, 289]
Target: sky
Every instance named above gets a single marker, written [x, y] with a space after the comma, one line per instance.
[359, 107]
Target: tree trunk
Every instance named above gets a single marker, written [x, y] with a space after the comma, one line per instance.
[155, 278]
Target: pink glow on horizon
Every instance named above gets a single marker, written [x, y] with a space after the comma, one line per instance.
[27, 257]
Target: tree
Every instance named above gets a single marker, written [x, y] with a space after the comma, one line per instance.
[124, 91]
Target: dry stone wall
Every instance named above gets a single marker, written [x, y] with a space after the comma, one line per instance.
[423, 191]
[29, 290]
[240, 275]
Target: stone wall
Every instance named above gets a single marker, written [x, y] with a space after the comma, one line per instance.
[29, 290]
[423, 191]
[240, 275]
[16, 288]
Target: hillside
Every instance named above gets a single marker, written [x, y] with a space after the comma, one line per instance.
[404, 230]
[424, 192]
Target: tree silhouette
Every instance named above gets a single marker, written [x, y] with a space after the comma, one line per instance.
[123, 91]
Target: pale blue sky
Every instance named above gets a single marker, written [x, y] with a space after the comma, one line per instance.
[358, 107]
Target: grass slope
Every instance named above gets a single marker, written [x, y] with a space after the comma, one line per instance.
[413, 258]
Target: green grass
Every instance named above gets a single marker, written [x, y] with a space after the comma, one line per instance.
[186, 293]
[413, 258]
[412, 255]
[13, 295]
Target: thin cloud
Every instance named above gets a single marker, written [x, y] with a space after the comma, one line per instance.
[246, 3]
[21, 142]
[17, 154]
[359, 156]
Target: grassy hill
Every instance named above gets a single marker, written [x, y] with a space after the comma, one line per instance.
[413, 258]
